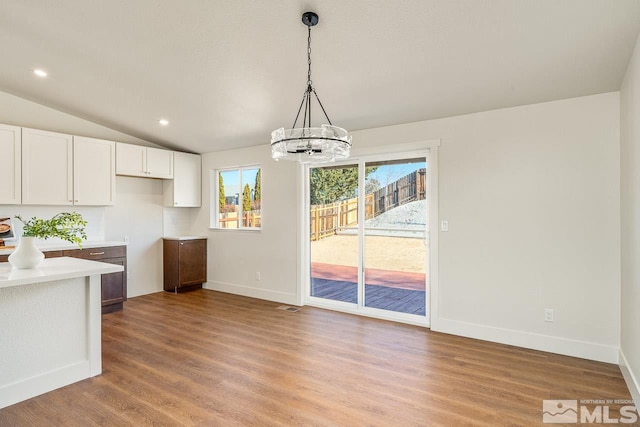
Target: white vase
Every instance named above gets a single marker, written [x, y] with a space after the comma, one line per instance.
[27, 254]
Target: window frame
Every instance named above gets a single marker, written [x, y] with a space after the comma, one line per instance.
[214, 205]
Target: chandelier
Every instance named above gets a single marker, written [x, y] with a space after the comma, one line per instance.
[307, 144]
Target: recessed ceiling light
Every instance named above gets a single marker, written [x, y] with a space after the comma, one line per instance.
[40, 73]
[163, 122]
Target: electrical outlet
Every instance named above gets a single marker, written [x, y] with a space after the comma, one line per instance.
[548, 315]
[125, 239]
[258, 275]
[444, 225]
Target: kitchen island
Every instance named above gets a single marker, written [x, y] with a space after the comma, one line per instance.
[50, 334]
[114, 285]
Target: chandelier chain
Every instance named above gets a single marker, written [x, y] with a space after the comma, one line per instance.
[309, 59]
[322, 106]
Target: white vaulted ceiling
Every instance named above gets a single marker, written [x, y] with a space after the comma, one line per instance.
[226, 73]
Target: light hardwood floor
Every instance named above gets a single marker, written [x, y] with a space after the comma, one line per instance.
[214, 359]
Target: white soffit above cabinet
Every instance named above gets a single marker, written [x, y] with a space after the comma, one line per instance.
[227, 73]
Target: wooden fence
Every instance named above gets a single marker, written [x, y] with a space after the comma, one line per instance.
[326, 220]
[249, 219]
[406, 189]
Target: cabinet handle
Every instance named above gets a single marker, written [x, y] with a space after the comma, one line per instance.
[96, 253]
[181, 243]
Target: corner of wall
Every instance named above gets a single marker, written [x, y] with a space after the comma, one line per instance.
[630, 378]
[630, 237]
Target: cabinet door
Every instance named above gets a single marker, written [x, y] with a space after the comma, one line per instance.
[11, 170]
[131, 160]
[114, 285]
[159, 163]
[184, 190]
[94, 170]
[193, 262]
[47, 168]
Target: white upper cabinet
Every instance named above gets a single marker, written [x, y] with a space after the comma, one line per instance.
[60, 169]
[94, 171]
[184, 190]
[136, 160]
[160, 163]
[11, 170]
[131, 159]
[47, 168]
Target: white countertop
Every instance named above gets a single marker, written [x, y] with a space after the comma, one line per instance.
[66, 246]
[54, 269]
[184, 237]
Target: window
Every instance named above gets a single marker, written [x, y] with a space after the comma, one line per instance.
[237, 198]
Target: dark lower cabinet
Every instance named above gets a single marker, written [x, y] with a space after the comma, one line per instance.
[184, 263]
[114, 285]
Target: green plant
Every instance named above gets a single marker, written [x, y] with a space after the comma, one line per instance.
[246, 198]
[221, 197]
[257, 193]
[67, 226]
[331, 184]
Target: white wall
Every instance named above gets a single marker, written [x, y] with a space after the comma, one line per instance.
[138, 215]
[94, 215]
[236, 256]
[532, 198]
[176, 221]
[630, 214]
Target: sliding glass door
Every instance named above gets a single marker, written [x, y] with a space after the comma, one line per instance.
[368, 237]
[333, 219]
[395, 250]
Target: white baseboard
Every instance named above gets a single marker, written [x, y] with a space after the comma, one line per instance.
[247, 291]
[551, 344]
[43, 383]
[630, 378]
